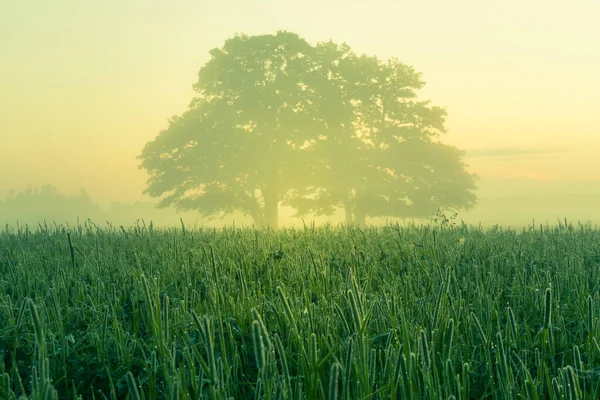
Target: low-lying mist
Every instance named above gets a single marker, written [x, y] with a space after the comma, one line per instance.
[518, 208]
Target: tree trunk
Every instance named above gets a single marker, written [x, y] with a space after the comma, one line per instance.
[256, 213]
[271, 212]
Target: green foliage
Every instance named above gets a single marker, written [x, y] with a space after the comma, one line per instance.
[429, 312]
[238, 145]
[277, 121]
[383, 159]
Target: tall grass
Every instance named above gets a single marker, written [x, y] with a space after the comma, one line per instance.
[431, 312]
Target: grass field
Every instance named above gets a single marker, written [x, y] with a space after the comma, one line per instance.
[422, 312]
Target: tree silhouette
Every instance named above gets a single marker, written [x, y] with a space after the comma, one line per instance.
[385, 159]
[278, 121]
[240, 144]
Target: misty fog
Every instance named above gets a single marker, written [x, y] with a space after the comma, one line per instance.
[81, 102]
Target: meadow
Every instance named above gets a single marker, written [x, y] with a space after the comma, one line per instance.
[437, 311]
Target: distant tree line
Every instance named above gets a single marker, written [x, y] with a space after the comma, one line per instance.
[47, 204]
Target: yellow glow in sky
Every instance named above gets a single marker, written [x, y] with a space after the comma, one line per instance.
[85, 84]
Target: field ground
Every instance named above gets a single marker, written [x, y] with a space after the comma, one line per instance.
[431, 311]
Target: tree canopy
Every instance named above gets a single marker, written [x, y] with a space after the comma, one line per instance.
[387, 160]
[276, 120]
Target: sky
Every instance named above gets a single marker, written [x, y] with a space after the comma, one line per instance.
[86, 84]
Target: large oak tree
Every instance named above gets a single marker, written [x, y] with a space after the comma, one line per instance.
[276, 120]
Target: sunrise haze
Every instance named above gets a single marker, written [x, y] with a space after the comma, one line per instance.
[85, 85]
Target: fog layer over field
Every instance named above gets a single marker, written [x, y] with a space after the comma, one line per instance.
[86, 86]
